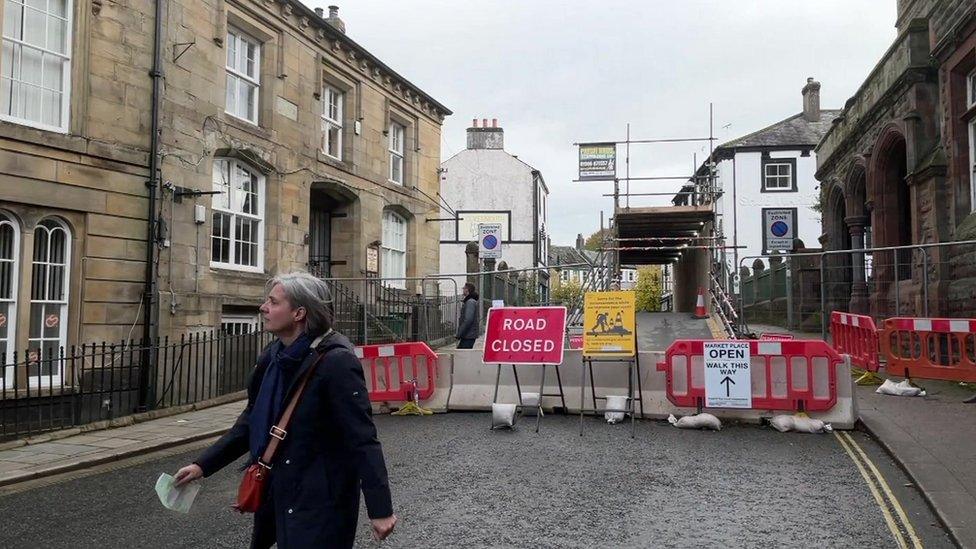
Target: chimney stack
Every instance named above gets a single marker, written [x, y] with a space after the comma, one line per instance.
[334, 19]
[580, 242]
[811, 100]
[486, 136]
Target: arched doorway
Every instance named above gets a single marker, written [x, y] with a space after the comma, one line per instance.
[837, 271]
[892, 225]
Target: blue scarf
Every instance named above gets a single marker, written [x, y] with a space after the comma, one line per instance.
[270, 402]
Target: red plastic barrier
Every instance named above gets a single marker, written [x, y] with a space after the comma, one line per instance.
[798, 375]
[930, 348]
[856, 335]
[391, 370]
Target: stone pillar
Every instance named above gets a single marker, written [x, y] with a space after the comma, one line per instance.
[471, 265]
[859, 302]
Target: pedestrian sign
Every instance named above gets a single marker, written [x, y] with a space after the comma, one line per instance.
[728, 376]
[609, 324]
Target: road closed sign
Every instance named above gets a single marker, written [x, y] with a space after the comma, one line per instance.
[524, 335]
[779, 229]
[728, 378]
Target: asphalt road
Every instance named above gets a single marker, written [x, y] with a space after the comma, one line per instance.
[457, 484]
[656, 331]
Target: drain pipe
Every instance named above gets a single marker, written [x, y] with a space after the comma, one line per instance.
[149, 295]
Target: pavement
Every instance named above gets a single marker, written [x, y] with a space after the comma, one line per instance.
[934, 439]
[455, 483]
[25, 460]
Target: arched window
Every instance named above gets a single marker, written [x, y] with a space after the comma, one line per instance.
[49, 300]
[393, 262]
[9, 276]
[237, 234]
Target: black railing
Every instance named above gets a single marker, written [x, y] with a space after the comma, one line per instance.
[63, 387]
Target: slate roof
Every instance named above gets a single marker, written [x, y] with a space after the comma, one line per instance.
[795, 130]
[565, 255]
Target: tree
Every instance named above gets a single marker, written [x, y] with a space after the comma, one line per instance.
[649, 289]
[595, 241]
[565, 293]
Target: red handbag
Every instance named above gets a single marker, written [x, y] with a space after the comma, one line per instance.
[251, 491]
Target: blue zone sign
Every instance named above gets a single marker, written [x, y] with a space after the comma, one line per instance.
[779, 229]
[489, 240]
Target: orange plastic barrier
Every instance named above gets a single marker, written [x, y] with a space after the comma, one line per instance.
[395, 370]
[856, 335]
[798, 375]
[930, 348]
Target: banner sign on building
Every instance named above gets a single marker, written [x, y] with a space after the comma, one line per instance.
[524, 335]
[597, 161]
[609, 324]
[490, 241]
[469, 221]
[779, 229]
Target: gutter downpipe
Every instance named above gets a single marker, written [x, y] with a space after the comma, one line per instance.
[148, 297]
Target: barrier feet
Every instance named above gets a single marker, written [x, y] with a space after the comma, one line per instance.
[869, 378]
[412, 409]
[970, 400]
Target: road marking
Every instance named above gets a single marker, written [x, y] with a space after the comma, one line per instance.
[882, 493]
[887, 490]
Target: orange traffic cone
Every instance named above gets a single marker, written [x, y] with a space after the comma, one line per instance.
[700, 305]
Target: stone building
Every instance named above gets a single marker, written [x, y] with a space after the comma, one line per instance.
[897, 169]
[284, 145]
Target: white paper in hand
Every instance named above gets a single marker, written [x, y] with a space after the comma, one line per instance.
[176, 498]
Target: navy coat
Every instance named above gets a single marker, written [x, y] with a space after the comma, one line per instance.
[330, 453]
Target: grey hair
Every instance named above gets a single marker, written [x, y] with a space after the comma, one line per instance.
[304, 290]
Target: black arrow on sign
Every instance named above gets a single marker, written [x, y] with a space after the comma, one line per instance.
[728, 382]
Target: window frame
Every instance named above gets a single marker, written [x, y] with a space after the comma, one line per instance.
[388, 251]
[237, 36]
[41, 379]
[260, 196]
[329, 122]
[396, 150]
[251, 321]
[767, 162]
[66, 65]
[12, 301]
[971, 134]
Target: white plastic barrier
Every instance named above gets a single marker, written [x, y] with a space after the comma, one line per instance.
[470, 387]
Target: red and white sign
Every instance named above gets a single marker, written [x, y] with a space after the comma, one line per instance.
[525, 335]
[576, 342]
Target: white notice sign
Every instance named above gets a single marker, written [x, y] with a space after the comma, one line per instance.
[728, 379]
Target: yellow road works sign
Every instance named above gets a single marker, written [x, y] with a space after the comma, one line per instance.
[609, 324]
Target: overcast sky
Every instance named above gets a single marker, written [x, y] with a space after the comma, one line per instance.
[559, 72]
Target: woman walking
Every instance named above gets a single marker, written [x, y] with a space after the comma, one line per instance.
[329, 451]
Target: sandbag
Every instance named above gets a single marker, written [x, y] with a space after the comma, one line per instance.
[502, 415]
[615, 402]
[697, 421]
[902, 388]
[801, 424]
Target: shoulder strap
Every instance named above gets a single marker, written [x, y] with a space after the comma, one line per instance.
[280, 431]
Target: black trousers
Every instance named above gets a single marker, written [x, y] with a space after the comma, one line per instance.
[465, 344]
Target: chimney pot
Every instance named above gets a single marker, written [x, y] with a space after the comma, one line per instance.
[320, 12]
[811, 100]
[474, 122]
[484, 122]
[494, 122]
[333, 19]
[333, 11]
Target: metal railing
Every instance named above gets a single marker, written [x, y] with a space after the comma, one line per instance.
[61, 387]
[798, 291]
